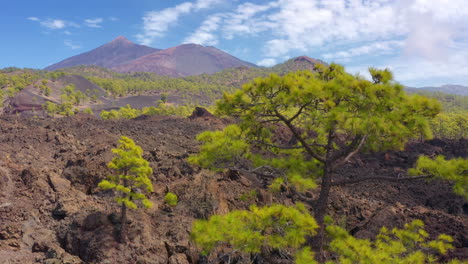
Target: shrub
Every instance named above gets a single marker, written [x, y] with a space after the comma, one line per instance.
[171, 199]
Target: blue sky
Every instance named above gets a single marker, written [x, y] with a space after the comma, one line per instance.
[424, 42]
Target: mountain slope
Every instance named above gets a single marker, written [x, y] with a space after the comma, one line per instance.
[116, 52]
[183, 60]
[448, 89]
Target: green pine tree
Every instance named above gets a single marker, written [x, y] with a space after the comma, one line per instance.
[410, 245]
[131, 180]
[454, 170]
[330, 115]
[252, 231]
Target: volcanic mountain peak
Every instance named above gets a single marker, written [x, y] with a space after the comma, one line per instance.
[119, 51]
[121, 40]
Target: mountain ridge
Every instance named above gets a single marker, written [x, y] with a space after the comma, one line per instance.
[122, 55]
[446, 88]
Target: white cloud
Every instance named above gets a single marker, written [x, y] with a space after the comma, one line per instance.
[94, 23]
[113, 19]
[66, 32]
[426, 70]
[374, 48]
[302, 25]
[420, 71]
[203, 35]
[71, 45]
[54, 24]
[248, 20]
[267, 62]
[202, 4]
[157, 23]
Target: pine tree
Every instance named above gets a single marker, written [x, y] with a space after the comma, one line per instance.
[286, 229]
[410, 245]
[330, 115]
[252, 231]
[131, 180]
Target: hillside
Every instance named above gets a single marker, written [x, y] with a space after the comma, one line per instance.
[116, 52]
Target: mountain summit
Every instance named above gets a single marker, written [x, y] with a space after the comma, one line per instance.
[121, 40]
[116, 52]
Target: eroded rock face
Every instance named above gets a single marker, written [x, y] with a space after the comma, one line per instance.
[51, 210]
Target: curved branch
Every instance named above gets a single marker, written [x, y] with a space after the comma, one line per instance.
[299, 138]
[351, 151]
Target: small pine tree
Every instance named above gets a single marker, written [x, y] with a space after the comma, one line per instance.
[131, 180]
[88, 111]
[171, 199]
[164, 97]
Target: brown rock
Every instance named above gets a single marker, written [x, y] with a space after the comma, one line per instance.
[58, 183]
[178, 259]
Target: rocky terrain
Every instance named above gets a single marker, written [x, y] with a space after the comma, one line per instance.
[52, 212]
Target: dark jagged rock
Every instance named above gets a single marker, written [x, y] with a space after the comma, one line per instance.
[201, 112]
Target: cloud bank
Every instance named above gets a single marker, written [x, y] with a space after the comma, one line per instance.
[425, 35]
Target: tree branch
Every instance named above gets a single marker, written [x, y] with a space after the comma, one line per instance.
[300, 195]
[379, 178]
[350, 152]
[268, 167]
[299, 138]
[298, 112]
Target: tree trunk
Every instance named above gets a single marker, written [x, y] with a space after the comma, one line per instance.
[123, 219]
[321, 208]
[123, 225]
